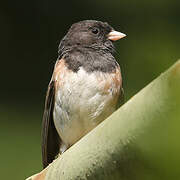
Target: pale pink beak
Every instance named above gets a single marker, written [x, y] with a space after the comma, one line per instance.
[115, 35]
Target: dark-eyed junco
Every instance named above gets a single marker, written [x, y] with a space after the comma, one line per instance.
[85, 88]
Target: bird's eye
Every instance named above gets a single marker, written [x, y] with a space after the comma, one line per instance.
[95, 30]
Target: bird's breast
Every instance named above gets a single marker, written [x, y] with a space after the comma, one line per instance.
[83, 100]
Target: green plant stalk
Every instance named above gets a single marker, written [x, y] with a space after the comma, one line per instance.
[139, 141]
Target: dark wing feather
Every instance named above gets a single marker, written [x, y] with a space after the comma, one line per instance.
[50, 137]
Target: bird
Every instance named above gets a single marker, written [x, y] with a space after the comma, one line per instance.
[85, 87]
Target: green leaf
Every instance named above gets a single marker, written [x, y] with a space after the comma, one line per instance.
[140, 141]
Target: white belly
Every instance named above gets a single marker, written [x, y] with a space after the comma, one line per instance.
[82, 101]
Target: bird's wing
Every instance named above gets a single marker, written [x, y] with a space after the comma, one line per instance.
[50, 138]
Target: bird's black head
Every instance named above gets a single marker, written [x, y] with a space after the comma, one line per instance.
[90, 34]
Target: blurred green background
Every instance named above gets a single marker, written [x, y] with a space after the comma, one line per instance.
[30, 32]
